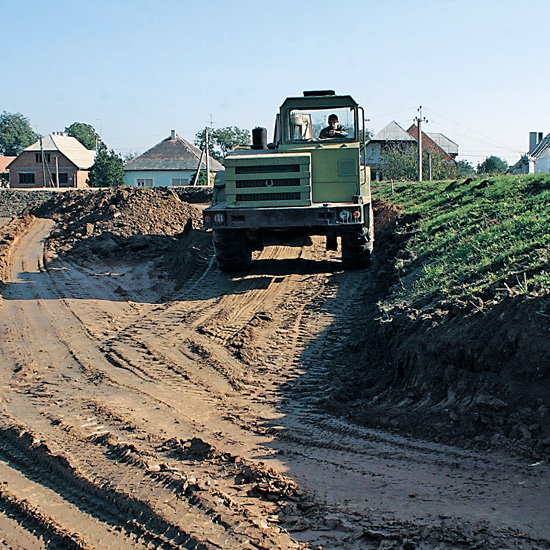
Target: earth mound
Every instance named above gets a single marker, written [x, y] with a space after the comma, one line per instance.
[129, 223]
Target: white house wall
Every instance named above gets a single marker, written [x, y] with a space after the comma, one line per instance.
[372, 153]
[159, 178]
[542, 162]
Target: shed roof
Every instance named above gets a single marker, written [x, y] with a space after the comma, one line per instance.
[172, 153]
[69, 146]
[393, 132]
[444, 142]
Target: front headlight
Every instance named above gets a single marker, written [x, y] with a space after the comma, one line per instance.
[345, 216]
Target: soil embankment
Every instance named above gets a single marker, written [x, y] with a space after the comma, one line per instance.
[463, 372]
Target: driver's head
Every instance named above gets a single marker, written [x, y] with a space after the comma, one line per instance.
[333, 120]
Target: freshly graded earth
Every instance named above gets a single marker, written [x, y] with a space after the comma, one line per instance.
[148, 400]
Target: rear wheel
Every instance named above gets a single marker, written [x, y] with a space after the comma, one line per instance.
[356, 248]
[232, 249]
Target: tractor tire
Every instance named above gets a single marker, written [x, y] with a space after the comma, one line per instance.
[356, 248]
[232, 250]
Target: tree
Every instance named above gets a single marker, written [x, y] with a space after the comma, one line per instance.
[202, 178]
[492, 165]
[16, 133]
[401, 163]
[107, 170]
[464, 168]
[85, 133]
[222, 140]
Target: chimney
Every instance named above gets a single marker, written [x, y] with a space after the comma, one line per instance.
[533, 141]
[173, 134]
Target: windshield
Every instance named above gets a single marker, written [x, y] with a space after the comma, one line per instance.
[322, 124]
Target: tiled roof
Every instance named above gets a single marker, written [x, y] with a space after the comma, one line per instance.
[541, 146]
[70, 147]
[4, 161]
[171, 154]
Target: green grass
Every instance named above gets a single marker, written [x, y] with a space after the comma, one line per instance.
[488, 238]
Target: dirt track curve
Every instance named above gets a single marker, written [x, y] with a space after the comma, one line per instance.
[132, 416]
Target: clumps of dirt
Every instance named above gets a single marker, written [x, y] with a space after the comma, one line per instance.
[243, 342]
[471, 373]
[128, 224]
[386, 218]
[267, 483]
[262, 481]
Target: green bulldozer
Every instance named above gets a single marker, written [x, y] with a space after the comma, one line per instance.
[309, 181]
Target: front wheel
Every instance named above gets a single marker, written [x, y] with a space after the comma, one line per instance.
[356, 248]
[232, 249]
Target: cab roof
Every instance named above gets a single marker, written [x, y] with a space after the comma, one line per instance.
[319, 100]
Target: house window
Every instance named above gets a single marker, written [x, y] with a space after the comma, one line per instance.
[26, 177]
[63, 178]
[144, 182]
[180, 181]
[38, 157]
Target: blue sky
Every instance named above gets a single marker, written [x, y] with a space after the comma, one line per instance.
[136, 70]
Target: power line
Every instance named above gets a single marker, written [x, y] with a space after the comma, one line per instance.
[476, 132]
[390, 114]
[477, 140]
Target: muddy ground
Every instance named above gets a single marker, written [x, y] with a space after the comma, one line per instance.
[148, 400]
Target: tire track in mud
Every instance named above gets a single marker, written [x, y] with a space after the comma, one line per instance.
[204, 514]
[203, 415]
[274, 334]
[295, 347]
[126, 490]
[97, 503]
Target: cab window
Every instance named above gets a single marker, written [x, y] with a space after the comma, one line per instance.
[335, 124]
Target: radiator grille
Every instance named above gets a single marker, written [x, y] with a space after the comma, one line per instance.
[269, 197]
[287, 182]
[264, 169]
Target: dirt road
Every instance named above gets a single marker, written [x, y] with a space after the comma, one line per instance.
[134, 416]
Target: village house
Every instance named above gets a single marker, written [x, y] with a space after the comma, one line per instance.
[172, 162]
[537, 159]
[56, 160]
[393, 137]
[449, 146]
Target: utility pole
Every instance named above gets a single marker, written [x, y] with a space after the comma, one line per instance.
[43, 163]
[419, 120]
[207, 156]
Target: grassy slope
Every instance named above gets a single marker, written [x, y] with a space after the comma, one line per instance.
[483, 238]
[458, 349]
